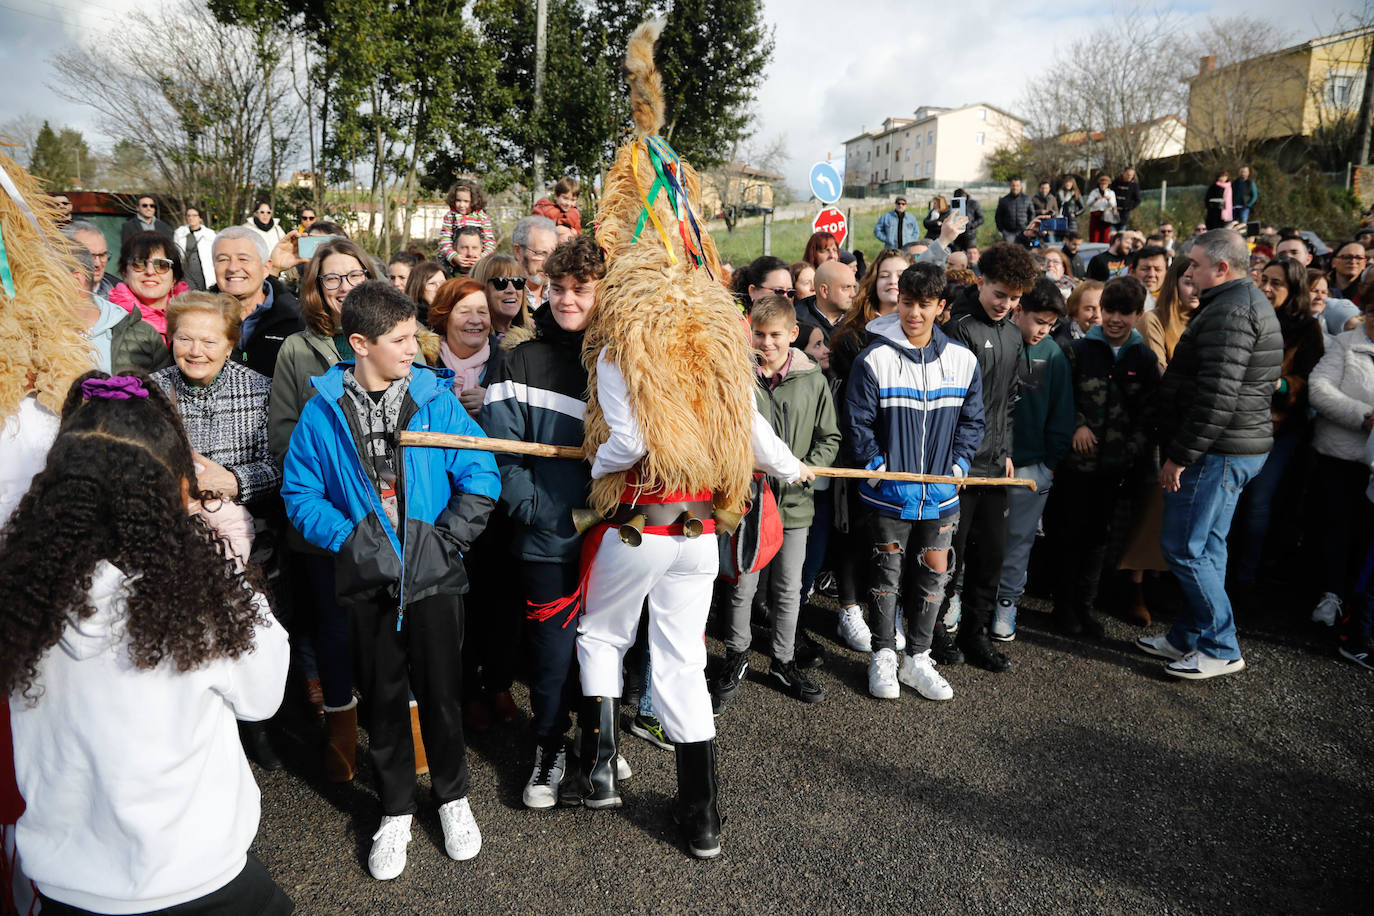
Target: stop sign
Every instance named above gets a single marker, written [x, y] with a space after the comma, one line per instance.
[831, 220]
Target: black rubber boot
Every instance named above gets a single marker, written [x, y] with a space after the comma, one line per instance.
[593, 782]
[258, 747]
[697, 813]
[979, 651]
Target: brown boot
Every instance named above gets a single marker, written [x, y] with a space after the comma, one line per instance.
[1138, 612]
[341, 751]
[421, 761]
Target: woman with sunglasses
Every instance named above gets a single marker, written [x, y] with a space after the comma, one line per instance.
[151, 267]
[337, 267]
[763, 276]
[504, 283]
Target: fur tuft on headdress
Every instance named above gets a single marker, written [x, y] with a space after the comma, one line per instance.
[664, 319]
[42, 349]
[646, 85]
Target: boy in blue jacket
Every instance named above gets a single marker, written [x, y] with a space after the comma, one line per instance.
[398, 524]
[914, 403]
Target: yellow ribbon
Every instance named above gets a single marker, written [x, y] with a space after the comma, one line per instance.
[648, 207]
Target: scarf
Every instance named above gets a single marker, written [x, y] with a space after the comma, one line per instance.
[262, 227]
[468, 371]
[378, 417]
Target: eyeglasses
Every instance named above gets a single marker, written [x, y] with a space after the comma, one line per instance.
[502, 282]
[151, 265]
[100, 255]
[146, 206]
[334, 281]
[779, 291]
[1351, 257]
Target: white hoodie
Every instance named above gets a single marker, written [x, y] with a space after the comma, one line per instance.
[139, 796]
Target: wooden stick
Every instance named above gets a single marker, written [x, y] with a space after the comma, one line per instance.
[540, 450]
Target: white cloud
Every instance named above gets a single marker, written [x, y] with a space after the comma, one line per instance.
[839, 68]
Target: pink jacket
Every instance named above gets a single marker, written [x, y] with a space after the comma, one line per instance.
[124, 297]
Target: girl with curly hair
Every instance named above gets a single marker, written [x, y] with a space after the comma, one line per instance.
[130, 642]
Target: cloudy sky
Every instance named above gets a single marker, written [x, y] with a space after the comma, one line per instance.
[838, 67]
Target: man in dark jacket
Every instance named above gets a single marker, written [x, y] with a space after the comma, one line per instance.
[145, 220]
[835, 287]
[1244, 195]
[1212, 414]
[1014, 212]
[974, 211]
[981, 320]
[1127, 191]
[269, 311]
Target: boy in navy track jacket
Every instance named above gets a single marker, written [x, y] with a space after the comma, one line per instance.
[914, 403]
[540, 395]
[398, 523]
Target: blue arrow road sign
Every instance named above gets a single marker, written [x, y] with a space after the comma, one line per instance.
[826, 182]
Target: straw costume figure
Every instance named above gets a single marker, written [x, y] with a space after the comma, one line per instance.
[42, 352]
[673, 436]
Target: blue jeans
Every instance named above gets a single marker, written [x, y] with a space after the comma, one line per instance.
[1193, 537]
[1240, 214]
[1259, 498]
[1024, 509]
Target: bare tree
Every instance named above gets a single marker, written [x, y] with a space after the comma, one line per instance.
[211, 129]
[22, 131]
[731, 182]
[1101, 97]
[1243, 90]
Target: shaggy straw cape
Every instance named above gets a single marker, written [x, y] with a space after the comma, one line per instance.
[42, 349]
[670, 326]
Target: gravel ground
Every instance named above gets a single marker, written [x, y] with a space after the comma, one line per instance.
[1082, 781]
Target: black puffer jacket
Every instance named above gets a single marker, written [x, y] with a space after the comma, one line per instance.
[997, 347]
[1216, 394]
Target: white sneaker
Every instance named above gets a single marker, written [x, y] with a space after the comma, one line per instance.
[388, 856]
[882, 675]
[1159, 646]
[853, 631]
[622, 767]
[1196, 666]
[918, 672]
[542, 790]
[953, 613]
[462, 839]
[1004, 621]
[900, 634]
[1328, 610]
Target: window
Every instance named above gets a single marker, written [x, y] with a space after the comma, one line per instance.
[898, 156]
[918, 170]
[1342, 90]
[982, 114]
[930, 137]
[980, 138]
[869, 157]
[930, 168]
[908, 155]
[918, 141]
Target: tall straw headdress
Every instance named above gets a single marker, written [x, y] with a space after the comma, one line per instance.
[663, 317]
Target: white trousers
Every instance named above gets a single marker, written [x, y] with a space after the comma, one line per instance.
[675, 574]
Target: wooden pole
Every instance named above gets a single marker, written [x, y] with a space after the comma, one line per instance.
[540, 450]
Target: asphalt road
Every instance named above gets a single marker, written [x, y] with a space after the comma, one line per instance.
[1082, 781]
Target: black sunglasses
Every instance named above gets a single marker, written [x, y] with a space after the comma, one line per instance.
[502, 282]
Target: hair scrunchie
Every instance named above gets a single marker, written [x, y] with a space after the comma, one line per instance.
[114, 388]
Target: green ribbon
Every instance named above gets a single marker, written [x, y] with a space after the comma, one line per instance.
[654, 188]
[6, 278]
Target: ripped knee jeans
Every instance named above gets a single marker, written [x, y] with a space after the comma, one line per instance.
[901, 575]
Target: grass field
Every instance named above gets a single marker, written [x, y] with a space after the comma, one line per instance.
[789, 238]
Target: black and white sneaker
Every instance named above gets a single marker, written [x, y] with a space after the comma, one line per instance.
[795, 682]
[726, 682]
[1360, 651]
